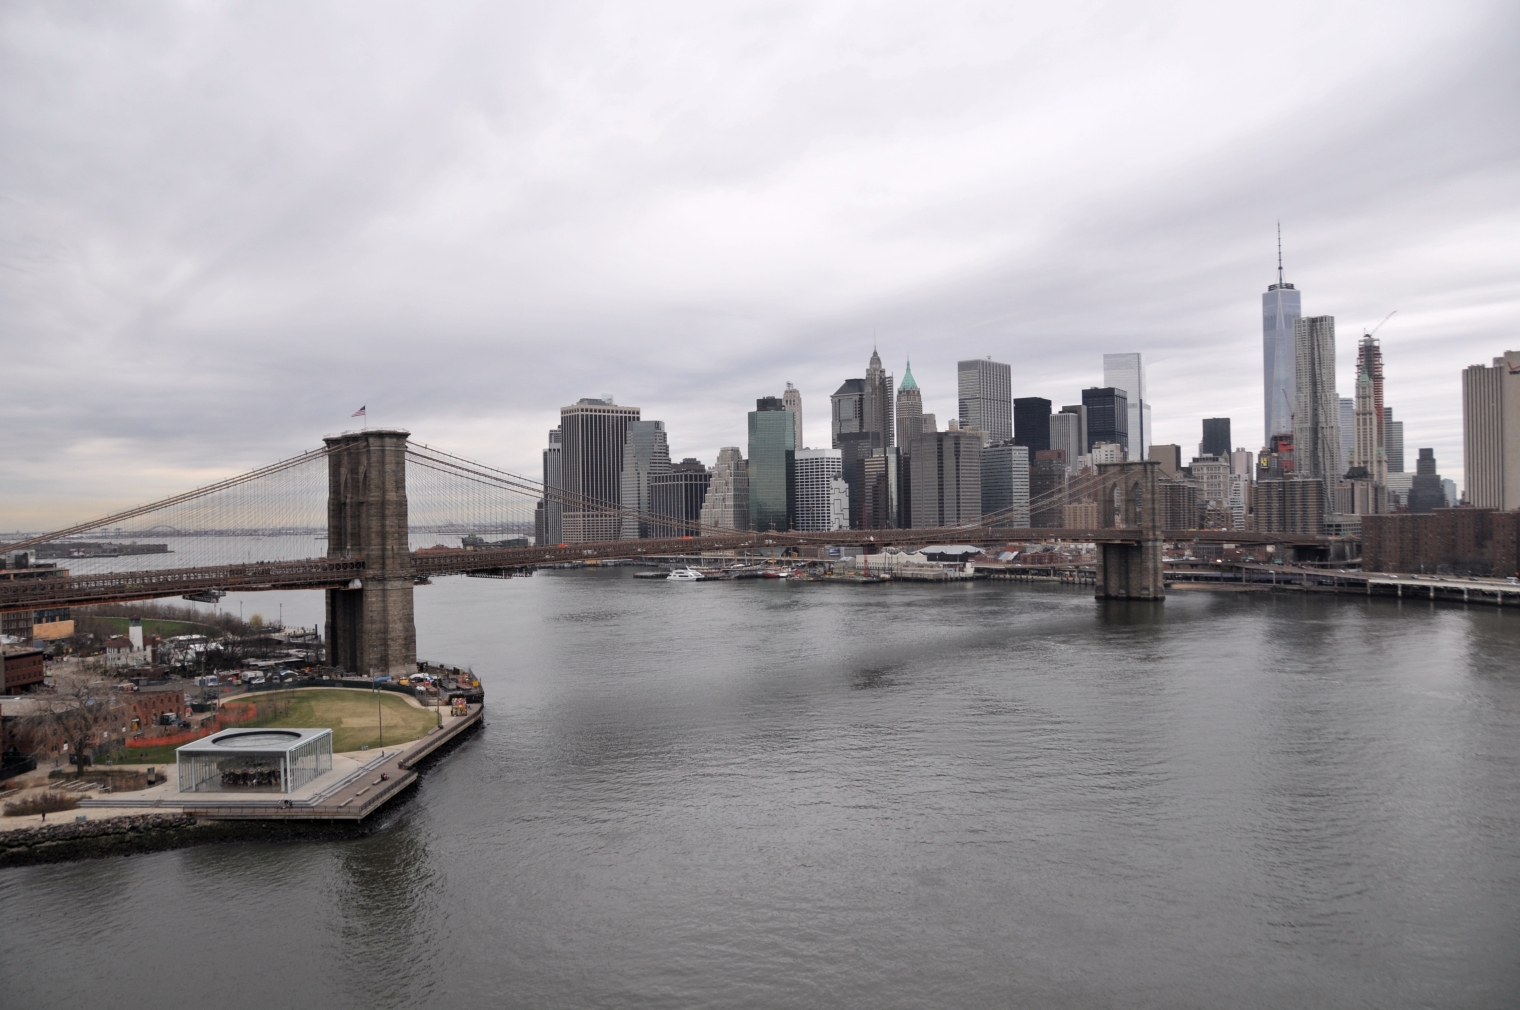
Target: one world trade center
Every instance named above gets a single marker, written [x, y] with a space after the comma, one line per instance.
[1279, 307]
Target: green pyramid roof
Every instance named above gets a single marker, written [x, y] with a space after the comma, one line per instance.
[907, 379]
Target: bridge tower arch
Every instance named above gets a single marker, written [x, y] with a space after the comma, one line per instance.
[370, 625]
[1130, 571]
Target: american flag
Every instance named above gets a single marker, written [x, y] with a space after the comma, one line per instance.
[357, 413]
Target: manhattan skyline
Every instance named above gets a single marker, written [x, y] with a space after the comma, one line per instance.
[495, 226]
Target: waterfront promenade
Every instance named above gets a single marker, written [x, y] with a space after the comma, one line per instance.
[360, 783]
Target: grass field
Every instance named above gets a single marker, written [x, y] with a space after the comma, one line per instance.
[163, 629]
[350, 714]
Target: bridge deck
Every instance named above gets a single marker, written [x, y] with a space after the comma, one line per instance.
[335, 573]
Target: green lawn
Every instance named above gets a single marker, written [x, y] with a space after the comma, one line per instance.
[350, 714]
[163, 629]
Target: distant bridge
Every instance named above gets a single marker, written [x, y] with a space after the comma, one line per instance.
[376, 489]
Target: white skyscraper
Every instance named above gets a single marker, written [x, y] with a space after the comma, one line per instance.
[1125, 371]
[816, 472]
[792, 401]
[1280, 306]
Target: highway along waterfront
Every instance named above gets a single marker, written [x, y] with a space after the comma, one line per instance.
[975, 794]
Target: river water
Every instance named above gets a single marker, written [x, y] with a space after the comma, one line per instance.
[766, 795]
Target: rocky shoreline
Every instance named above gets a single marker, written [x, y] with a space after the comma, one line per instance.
[141, 833]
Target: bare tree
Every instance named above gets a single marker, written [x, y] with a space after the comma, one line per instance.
[75, 714]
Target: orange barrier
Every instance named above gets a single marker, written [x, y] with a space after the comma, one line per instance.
[229, 715]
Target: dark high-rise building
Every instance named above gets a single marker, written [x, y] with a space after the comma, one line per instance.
[1216, 437]
[677, 496]
[853, 448]
[876, 403]
[772, 466]
[879, 484]
[1107, 416]
[947, 479]
[1047, 484]
[847, 410]
[1425, 491]
[1394, 434]
[1031, 423]
[593, 433]
[986, 397]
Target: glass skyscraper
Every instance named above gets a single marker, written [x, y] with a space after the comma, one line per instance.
[772, 466]
[1125, 373]
[1280, 306]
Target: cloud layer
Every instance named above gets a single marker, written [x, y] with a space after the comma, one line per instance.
[227, 226]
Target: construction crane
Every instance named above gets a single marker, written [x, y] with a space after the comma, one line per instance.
[1373, 332]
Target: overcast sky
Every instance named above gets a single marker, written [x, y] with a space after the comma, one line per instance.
[227, 226]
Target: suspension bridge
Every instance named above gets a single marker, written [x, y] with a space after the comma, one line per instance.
[371, 495]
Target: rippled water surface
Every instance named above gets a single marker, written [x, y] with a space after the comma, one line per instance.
[771, 795]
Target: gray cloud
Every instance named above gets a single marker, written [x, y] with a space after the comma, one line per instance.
[225, 227]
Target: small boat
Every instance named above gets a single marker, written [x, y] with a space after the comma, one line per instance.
[684, 575]
[774, 573]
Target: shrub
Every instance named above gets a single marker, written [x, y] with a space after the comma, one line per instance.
[42, 803]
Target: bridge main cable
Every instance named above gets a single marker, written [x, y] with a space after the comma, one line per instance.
[179, 499]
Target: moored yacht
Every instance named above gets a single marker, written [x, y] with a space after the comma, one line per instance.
[684, 575]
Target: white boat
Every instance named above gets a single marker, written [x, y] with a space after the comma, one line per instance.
[684, 575]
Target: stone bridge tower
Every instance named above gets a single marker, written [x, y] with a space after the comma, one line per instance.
[1128, 500]
[370, 628]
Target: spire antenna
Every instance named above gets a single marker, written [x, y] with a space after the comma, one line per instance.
[1279, 254]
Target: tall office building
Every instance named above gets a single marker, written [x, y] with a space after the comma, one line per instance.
[1393, 435]
[1170, 458]
[791, 400]
[1491, 432]
[910, 410]
[1005, 484]
[1066, 437]
[816, 472]
[1316, 417]
[847, 410]
[1348, 432]
[1367, 452]
[880, 483]
[1031, 423]
[877, 401]
[1369, 359]
[1107, 416]
[1216, 437]
[727, 504]
[593, 433]
[676, 497]
[986, 397]
[1280, 309]
[1425, 492]
[1047, 490]
[548, 523]
[772, 466]
[854, 448]
[1126, 373]
[947, 479]
[645, 453]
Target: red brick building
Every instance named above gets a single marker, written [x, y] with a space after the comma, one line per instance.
[23, 668]
[1459, 541]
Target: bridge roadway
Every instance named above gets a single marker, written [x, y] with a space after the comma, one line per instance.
[337, 573]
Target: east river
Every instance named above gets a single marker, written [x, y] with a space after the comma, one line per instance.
[766, 795]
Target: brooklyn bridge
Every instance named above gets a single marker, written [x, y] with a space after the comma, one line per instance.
[373, 491]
